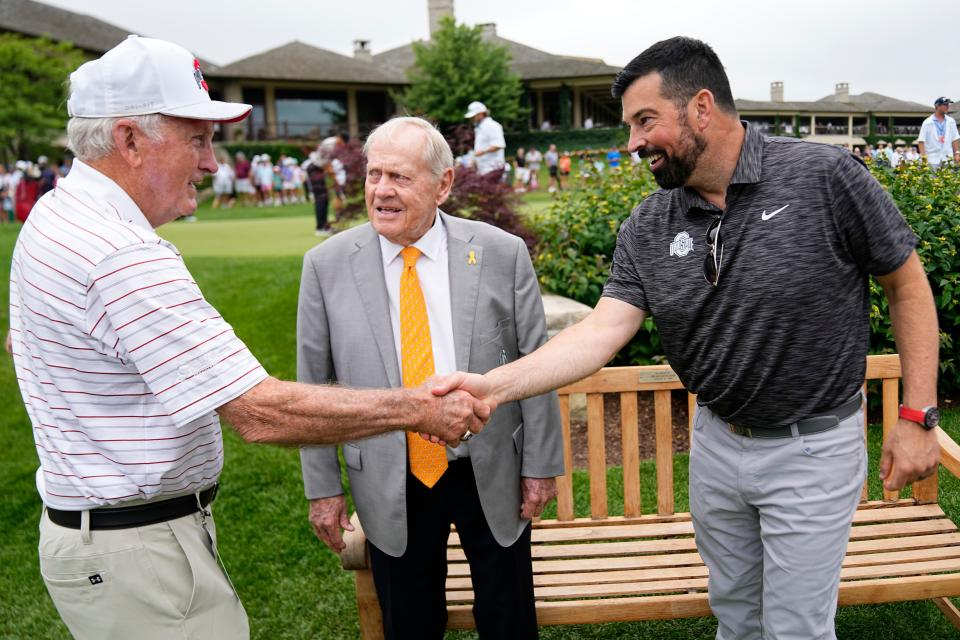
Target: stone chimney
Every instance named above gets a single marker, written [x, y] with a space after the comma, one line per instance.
[776, 91]
[842, 92]
[361, 50]
[488, 30]
[438, 9]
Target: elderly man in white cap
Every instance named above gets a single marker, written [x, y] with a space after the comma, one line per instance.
[488, 141]
[124, 366]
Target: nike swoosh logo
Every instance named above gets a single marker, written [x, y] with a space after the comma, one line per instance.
[766, 216]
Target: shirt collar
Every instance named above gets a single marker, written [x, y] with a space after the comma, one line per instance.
[747, 171]
[101, 188]
[430, 244]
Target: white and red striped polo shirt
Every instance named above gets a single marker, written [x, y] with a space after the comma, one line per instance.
[120, 359]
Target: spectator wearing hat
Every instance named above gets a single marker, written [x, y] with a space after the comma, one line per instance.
[125, 368]
[488, 140]
[48, 175]
[939, 139]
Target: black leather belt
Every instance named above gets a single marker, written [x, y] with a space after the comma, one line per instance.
[138, 515]
[813, 424]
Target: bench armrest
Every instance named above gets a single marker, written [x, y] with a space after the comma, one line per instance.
[949, 452]
[354, 557]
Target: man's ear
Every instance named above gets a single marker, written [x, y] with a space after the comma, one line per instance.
[446, 184]
[128, 140]
[703, 106]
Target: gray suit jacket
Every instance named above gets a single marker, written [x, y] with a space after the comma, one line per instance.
[344, 335]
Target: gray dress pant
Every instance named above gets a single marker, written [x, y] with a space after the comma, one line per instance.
[772, 518]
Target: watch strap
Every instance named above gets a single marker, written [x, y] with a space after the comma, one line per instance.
[913, 415]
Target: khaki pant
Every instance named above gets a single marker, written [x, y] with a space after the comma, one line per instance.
[161, 581]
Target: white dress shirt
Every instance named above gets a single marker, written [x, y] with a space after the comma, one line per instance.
[434, 275]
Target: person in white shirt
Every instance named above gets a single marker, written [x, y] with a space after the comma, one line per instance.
[939, 140]
[488, 140]
[125, 368]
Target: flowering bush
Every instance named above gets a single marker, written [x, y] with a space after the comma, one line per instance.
[578, 234]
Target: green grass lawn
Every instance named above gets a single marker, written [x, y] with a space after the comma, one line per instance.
[291, 585]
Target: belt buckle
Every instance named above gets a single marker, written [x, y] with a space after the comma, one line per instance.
[740, 431]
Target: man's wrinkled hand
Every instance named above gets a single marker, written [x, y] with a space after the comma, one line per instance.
[536, 494]
[447, 418]
[910, 453]
[329, 517]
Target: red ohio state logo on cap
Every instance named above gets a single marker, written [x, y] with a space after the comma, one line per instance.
[198, 76]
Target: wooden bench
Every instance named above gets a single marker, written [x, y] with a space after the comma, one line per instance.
[646, 567]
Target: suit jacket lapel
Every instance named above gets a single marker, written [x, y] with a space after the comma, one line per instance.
[367, 266]
[465, 262]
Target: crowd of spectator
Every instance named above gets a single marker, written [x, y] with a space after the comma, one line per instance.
[24, 181]
[892, 154]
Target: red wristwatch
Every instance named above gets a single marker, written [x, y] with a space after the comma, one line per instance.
[928, 417]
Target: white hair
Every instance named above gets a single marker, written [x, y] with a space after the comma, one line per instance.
[436, 152]
[92, 138]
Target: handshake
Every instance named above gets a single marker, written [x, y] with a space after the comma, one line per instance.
[455, 407]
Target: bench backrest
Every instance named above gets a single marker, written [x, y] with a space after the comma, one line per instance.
[661, 381]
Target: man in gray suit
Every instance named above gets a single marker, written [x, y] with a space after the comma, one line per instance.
[482, 306]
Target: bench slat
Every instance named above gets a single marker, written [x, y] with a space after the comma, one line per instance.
[891, 399]
[597, 457]
[630, 451]
[565, 509]
[663, 419]
[892, 563]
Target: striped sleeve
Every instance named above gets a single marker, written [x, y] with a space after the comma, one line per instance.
[144, 308]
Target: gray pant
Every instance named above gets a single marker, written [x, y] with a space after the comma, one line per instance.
[772, 519]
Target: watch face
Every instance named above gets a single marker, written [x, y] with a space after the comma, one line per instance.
[931, 418]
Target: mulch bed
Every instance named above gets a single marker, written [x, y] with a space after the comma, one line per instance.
[645, 419]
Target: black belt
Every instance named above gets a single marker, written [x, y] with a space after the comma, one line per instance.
[138, 515]
[813, 424]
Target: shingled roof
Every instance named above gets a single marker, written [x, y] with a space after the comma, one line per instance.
[527, 62]
[856, 103]
[38, 19]
[299, 61]
[869, 101]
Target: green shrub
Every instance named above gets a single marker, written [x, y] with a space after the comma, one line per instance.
[568, 140]
[931, 204]
[578, 234]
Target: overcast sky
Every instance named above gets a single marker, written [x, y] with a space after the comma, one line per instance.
[905, 50]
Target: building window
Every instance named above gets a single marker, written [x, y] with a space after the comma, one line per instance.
[373, 109]
[766, 124]
[310, 114]
[833, 125]
[256, 122]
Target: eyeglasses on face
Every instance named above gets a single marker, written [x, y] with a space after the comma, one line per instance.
[711, 264]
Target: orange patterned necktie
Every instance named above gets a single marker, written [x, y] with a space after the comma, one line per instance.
[428, 461]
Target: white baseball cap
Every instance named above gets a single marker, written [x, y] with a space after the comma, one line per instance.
[474, 108]
[144, 75]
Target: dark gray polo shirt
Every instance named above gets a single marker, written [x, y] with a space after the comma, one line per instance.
[785, 333]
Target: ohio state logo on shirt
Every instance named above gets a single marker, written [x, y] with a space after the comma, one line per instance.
[682, 244]
[198, 76]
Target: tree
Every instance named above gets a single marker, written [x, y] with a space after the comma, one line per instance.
[33, 108]
[456, 67]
